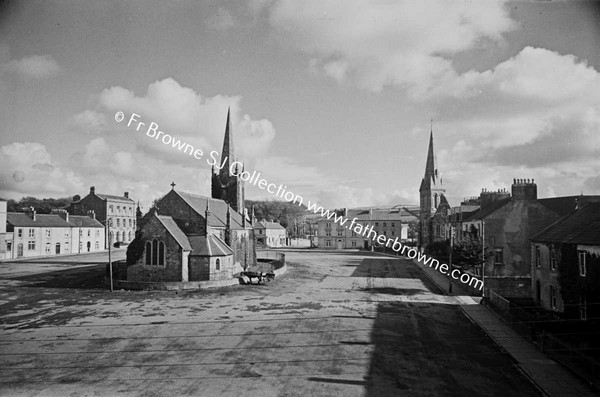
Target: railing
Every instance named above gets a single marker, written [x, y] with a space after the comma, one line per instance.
[524, 323]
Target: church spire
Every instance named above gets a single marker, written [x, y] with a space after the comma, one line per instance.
[430, 168]
[227, 154]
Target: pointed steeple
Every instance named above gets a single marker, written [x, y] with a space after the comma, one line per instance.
[227, 153]
[430, 170]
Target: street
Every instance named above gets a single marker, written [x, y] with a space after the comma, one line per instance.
[336, 323]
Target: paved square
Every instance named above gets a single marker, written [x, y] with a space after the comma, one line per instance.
[337, 323]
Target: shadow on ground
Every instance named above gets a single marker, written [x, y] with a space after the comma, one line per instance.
[91, 277]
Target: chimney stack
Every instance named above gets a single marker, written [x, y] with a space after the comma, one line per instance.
[30, 213]
[62, 213]
[126, 194]
[92, 189]
[524, 190]
[92, 214]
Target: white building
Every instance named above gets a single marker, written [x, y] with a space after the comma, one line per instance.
[269, 234]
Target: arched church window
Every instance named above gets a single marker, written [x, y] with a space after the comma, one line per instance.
[218, 264]
[154, 251]
[148, 253]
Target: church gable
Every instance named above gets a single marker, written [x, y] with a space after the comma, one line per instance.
[187, 218]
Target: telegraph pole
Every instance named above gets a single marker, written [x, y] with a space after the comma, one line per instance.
[108, 224]
[452, 231]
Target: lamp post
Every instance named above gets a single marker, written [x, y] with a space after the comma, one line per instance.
[452, 231]
[108, 224]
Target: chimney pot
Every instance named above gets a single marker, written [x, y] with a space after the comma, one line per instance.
[126, 194]
[92, 189]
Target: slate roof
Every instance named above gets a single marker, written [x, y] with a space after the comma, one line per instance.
[210, 245]
[565, 205]
[483, 212]
[387, 214]
[267, 225]
[218, 210]
[83, 221]
[20, 219]
[116, 198]
[175, 231]
[580, 227]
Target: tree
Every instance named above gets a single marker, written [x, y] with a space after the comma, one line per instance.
[469, 252]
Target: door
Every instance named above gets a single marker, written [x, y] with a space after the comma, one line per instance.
[339, 244]
[89, 245]
[19, 250]
[366, 244]
[57, 249]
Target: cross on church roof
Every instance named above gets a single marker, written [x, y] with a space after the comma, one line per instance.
[172, 185]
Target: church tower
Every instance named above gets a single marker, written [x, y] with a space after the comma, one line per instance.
[431, 192]
[226, 185]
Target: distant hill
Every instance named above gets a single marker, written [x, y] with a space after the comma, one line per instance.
[42, 206]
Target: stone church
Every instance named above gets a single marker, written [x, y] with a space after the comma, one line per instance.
[432, 198]
[187, 237]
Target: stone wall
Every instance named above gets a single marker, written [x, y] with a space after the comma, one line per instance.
[510, 287]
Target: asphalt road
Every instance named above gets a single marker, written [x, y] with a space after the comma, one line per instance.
[336, 324]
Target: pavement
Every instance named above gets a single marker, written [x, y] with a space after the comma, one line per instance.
[338, 323]
[549, 376]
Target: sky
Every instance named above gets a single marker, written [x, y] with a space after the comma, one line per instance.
[333, 99]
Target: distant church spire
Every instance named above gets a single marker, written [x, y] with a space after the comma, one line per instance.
[227, 153]
[225, 185]
[430, 168]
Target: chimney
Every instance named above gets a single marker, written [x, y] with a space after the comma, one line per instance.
[524, 190]
[91, 214]
[76, 198]
[92, 189]
[126, 194]
[62, 213]
[30, 212]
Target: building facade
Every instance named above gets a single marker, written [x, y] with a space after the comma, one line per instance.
[116, 213]
[391, 222]
[568, 253]
[269, 234]
[30, 234]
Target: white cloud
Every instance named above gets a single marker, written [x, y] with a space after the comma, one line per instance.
[35, 66]
[88, 121]
[388, 43]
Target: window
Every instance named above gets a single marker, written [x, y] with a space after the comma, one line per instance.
[31, 245]
[552, 297]
[218, 264]
[340, 233]
[582, 269]
[353, 244]
[553, 258]
[155, 253]
[385, 232]
[31, 233]
[20, 233]
[353, 233]
[89, 232]
[48, 248]
[129, 222]
[97, 232]
[48, 233]
[66, 233]
[492, 241]
[538, 257]
[384, 224]
[393, 232]
[498, 256]
[328, 243]
[118, 222]
[328, 232]
[97, 245]
[582, 308]
[376, 224]
[118, 209]
[110, 209]
[80, 233]
[129, 236]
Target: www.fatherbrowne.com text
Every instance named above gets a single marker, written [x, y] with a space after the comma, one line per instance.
[254, 178]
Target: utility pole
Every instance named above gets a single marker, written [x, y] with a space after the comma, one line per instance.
[108, 224]
[452, 231]
[483, 255]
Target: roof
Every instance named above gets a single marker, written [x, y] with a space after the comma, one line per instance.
[116, 198]
[379, 214]
[175, 231]
[218, 210]
[41, 220]
[582, 226]
[267, 225]
[83, 221]
[565, 205]
[487, 210]
[210, 245]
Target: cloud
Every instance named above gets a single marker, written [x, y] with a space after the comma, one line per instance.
[88, 121]
[221, 20]
[28, 168]
[189, 116]
[35, 66]
[406, 44]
